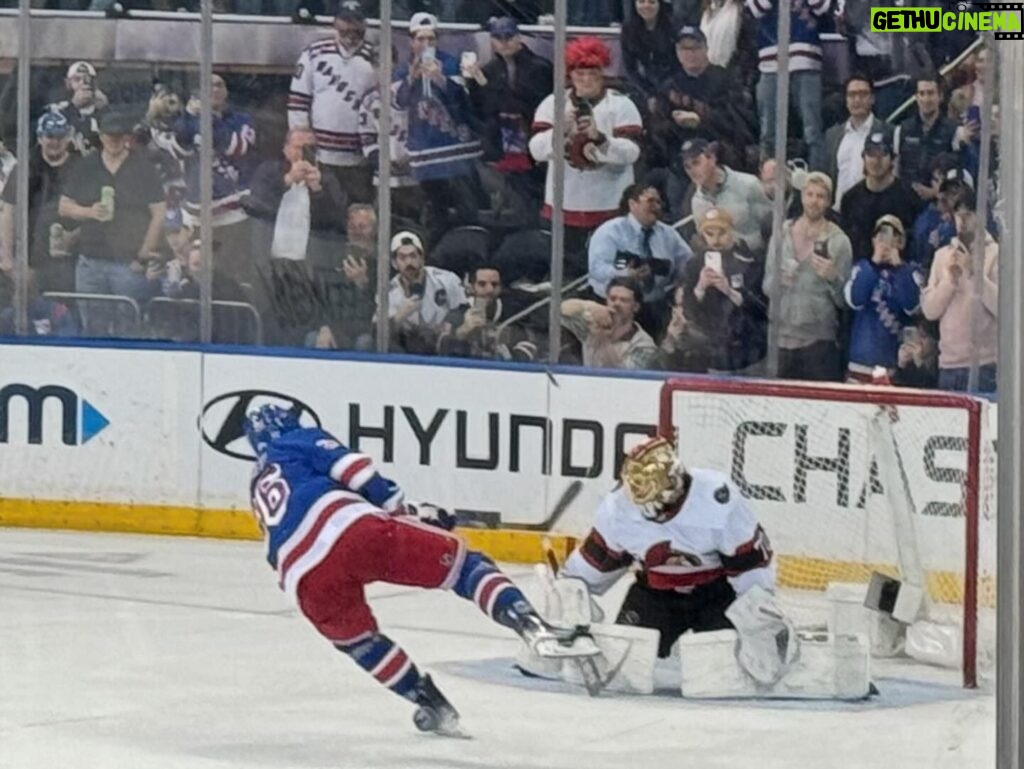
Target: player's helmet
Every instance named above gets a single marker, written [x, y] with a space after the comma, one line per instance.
[268, 423]
[653, 477]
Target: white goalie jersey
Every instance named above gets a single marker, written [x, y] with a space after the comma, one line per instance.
[714, 535]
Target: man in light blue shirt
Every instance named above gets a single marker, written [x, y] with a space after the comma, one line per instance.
[637, 245]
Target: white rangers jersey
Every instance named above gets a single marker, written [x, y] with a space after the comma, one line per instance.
[714, 535]
[326, 90]
[592, 196]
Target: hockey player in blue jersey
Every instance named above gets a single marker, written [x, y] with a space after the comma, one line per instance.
[333, 525]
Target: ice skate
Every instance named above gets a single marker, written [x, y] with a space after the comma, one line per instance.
[545, 640]
[435, 713]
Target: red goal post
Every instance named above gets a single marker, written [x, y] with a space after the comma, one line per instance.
[821, 531]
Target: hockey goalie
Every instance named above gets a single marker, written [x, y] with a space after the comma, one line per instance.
[705, 577]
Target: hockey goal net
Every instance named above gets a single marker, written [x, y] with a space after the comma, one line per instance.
[850, 480]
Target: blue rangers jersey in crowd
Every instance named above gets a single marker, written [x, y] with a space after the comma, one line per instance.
[234, 135]
[307, 489]
[884, 299]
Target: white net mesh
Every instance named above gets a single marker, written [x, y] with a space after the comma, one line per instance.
[846, 487]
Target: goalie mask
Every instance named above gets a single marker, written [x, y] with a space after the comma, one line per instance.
[654, 478]
[268, 423]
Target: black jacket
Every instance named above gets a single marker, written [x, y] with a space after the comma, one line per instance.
[736, 336]
[726, 115]
[534, 80]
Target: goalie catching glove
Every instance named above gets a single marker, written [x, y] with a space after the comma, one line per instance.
[768, 643]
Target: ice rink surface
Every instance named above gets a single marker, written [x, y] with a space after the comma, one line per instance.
[133, 652]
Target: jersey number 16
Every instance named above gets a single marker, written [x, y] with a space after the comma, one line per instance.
[270, 496]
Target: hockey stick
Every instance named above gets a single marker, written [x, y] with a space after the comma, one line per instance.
[568, 497]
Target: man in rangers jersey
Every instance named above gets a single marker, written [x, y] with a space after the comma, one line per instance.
[696, 541]
[332, 77]
[334, 525]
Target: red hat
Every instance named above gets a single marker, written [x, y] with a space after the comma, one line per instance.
[587, 53]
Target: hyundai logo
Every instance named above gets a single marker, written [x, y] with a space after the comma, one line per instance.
[223, 418]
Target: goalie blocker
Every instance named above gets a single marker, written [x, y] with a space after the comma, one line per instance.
[705, 568]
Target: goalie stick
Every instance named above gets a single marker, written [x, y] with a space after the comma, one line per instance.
[568, 497]
[591, 674]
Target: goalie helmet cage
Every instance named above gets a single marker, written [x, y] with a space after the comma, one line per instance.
[828, 525]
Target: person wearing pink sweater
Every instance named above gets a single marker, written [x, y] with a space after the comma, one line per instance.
[948, 298]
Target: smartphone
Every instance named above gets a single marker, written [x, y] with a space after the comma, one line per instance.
[309, 153]
[429, 54]
[887, 235]
[821, 248]
[910, 335]
[468, 59]
[713, 259]
[584, 108]
[487, 307]
[417, 289]
[974, 114]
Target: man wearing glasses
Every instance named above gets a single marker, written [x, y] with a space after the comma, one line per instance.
[844, 142]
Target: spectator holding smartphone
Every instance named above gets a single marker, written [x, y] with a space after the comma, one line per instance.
[884, 292]
[948, 298]
[299, 210]
[443, 139]
[814, 267]
[917, 358]
[474, 330]
[722, 294]
[603, 128]
[420, 298]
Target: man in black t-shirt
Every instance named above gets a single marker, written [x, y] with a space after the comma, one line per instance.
[879, 193]
[119, 233]
[49, 167]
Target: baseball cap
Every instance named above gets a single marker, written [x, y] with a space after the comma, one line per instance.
[503, 27]
[878, 141]
[350, 10]
[694, 147]
[422, 20]
[891, 221]
[961, 175]
[406, 238]
[115, 123]
[715, 217]
[81, 68]
[52, 124]
[689, 32]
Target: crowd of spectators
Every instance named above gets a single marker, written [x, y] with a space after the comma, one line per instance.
[668, 188]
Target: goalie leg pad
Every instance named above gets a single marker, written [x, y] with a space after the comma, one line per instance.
[627, 659]
[626, 663]
[829, 667]
[767, 639]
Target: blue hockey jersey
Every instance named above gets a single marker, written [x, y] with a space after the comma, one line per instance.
[306, 490]
[443, 141]
[884, 300]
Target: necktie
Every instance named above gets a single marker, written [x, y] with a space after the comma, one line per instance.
[646, 244]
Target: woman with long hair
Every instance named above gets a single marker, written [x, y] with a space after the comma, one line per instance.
[648, 46]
